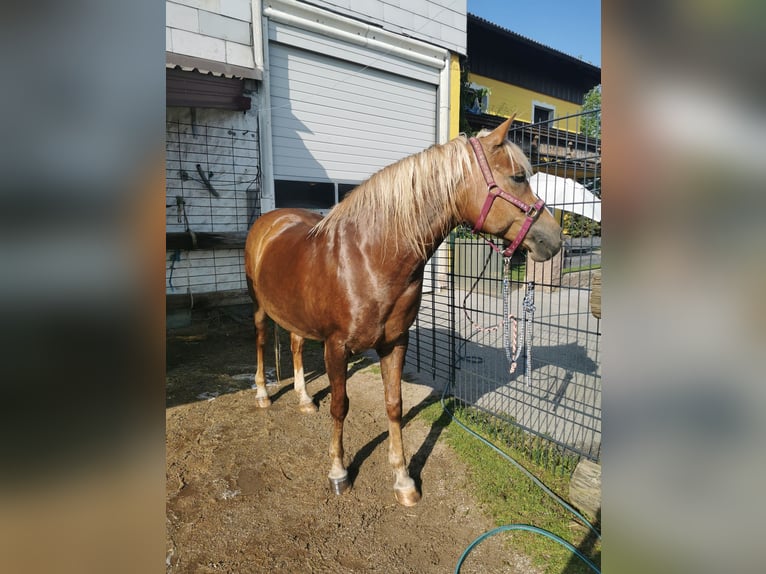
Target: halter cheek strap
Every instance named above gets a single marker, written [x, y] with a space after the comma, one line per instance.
[495, 191]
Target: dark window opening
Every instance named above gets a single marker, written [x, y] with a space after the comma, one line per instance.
[305, 194]
[542, 115]
[316, 195]
[344, 189]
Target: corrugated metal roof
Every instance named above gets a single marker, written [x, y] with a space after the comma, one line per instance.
[531, 42]
[220, 69]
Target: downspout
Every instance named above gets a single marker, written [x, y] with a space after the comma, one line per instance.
[264, 112]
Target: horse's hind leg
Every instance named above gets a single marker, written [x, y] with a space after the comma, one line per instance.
[391, 363]
[305, 403]
[336, 361]
[261, 396]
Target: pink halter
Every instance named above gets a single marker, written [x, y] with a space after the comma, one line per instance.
[495, 191]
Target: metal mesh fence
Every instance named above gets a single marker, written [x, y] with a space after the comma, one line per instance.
[212, 177]
[535, 368]
[213, 184]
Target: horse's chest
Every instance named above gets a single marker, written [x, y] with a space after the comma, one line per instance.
[385, 320]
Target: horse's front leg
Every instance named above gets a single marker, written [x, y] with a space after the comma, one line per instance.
[336, 361]
[261, 395]
[391, 363]
[305, 403]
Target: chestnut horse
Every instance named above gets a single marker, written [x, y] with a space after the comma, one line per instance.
[354, 278]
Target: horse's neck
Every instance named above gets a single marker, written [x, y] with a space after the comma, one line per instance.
[393, 238]
[409, 258]
[440, 227]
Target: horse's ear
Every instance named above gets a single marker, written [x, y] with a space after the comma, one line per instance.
[498, 135]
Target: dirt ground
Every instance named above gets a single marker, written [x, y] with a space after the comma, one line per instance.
[247, 488]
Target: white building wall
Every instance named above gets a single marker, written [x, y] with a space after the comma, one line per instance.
[216, 30]
[200, 34]
[439, 22]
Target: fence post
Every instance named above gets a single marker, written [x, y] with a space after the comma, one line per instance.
[547, 275]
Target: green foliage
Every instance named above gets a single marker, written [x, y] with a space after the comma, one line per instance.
[468, 97]
[576, 225]
[591, 127]
[463, 231]
[591, 123]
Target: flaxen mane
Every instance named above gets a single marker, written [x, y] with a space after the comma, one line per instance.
[395, 198]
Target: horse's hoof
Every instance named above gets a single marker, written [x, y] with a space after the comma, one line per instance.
[262, 402]
[408, 497]
[339, 485]
[308, 407]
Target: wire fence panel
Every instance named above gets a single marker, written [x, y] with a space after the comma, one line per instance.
[213, 184]
[431, 348]
[212, 177]
[533, 366]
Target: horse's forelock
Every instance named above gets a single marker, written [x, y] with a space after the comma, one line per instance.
[515, 153]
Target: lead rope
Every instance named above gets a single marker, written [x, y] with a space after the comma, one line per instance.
[509, 323]
[510, 334]
[529, 314]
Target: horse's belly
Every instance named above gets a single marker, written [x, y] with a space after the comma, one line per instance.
[320, 289]
[287, 276]
[280, 291]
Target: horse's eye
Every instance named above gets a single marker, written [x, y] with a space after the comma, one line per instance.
[519, 178]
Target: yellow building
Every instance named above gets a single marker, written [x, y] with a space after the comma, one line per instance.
[512, 74]
[529, 106]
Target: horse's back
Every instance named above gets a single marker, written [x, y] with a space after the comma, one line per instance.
[282, 263]
[290, 225]
[279, 220]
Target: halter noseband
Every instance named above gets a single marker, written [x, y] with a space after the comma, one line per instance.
[495, 191]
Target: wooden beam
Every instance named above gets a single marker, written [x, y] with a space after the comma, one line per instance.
[572, 172]
[585, 488]
[206, 300]
[205, 240]
[595, 294]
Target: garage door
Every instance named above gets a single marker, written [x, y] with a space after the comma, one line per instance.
[339, 121]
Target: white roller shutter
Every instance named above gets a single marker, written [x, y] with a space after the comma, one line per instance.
[336, 120]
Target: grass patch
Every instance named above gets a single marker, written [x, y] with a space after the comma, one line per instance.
[374, 369]
[581, 268]
[508, 495]
[549, 462]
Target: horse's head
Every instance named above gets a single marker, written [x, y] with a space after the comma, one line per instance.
[508, 209]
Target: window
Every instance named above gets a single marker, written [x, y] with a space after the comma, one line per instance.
[542, 113]
[478, 100]
[306, 194]
[315, 195]
[344, 189]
